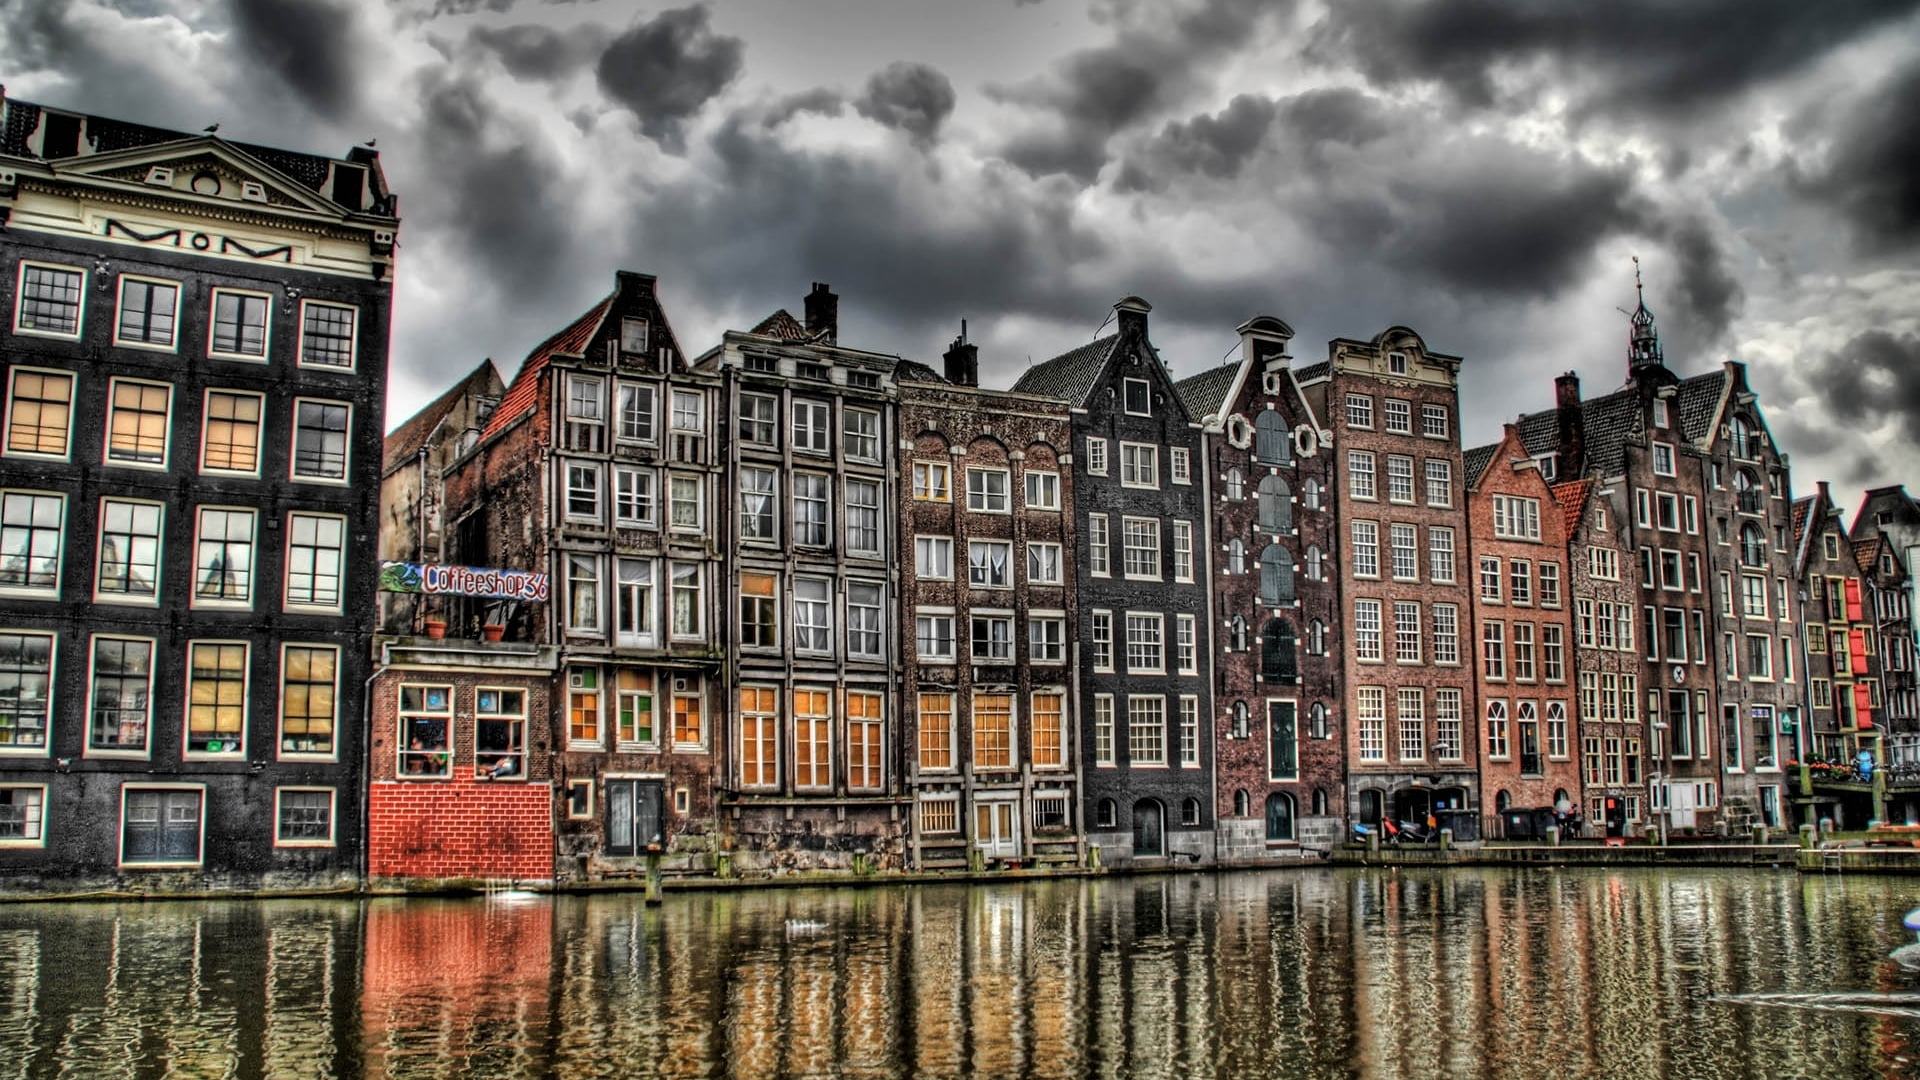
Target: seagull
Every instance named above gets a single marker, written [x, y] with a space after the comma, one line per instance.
[211, 128]
[368, 144]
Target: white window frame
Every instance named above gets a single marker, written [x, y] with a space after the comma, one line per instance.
[66, 437]
[645, 480]
[121, 841]
[1140, 466]
[293, 445]
[333, 817]
[37, 822]
[187, 753]
[1051, 560]
[1045, 485]
[112, 409]
[353, 336]
[259, 430]
[981, 498]
[340, 568]
[20, 299]
[253, 558]
[266, 330]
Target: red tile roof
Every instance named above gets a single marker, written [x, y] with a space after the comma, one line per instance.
[519, 399]
[1572, 497]
[781, 325]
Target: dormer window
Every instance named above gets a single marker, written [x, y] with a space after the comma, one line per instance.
[1396, 363]
[1660, 415]
[1137, 397]
[633, 335]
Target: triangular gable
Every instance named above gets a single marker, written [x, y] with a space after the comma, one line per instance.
[186, 156]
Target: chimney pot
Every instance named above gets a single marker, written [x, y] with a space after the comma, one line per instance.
[823, 313]
[963, 360]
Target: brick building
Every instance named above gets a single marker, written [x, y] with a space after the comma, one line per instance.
[1407, 656]
[194, 362]
[989, 713]
[1892, 516]
[1843, 661]
[1146, 751]
[1266, 474]
[1521, 617]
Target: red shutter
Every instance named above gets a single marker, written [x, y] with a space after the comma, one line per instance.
[1857, 650]
[1862, 706]
[1853, 600]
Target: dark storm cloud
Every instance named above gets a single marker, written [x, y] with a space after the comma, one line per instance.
[1101, 91]
[1651, 56]
[307, 44]
[820, 101]
[532, 51]
[667, 68]
[1872, 174]
[1214, 145]
[910, 97]
[1334, 115]
[1706, 293]
[1871, 380]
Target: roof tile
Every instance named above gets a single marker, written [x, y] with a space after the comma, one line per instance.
[520, 395]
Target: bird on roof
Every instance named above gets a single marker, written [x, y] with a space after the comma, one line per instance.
[368, 144]
[211, 128]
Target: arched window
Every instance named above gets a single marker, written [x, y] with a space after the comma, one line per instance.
[1316, 563]
[1317, 725]
[1319, 802]
[1502, 801]
[1371, 807]
[1240, 803]
[1276, 575]
[1238, 634]
[1279, 817]
[1276, 506]
[1753, 545]
[1270, 442]
[1746, 487]
[1744, 444]
[1310, 493]
[1279, 652]
[1240, 730]
[1317, 638]
[1236, 556]
[1190, 811]
[1105, 816]
[1236, 485]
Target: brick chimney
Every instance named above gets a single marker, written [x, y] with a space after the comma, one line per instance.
[1132, 313]
[963, 360]
[823, 313]
[1570, 428]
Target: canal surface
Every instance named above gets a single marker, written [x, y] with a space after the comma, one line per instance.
[1472, 972]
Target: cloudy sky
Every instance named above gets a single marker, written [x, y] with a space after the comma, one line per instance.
[1480, 170]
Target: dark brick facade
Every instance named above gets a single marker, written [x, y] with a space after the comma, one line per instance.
[1606, 615]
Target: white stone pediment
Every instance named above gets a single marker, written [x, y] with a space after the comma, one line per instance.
[204, 169]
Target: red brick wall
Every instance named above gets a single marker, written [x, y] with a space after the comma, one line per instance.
[460, 828]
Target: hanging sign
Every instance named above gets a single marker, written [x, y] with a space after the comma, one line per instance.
[435, 579]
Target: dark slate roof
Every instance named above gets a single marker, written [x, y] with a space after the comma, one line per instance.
[1540, 432]
[1206, 392]
[1476, 461]
[407, 439]
[1698, 398]
[1313, 371]
[915, 371]
[1071, 375]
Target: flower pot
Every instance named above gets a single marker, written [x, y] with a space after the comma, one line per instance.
[436, 628]
[492, 631]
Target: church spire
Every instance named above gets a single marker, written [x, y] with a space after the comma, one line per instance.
[1643, 346]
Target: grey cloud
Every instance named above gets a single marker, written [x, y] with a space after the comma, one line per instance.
[1707, 294]
[1215, 145]
[1872, 175]
[1872, 379]
[819, 100]
[666, 69]
[1336, 115]
[307, 44]
[910, 97]
[532, 51]
[1649, 56]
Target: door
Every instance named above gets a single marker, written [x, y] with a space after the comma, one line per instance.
[162, 826]
[1149, 829]
[1279, 818]
[1680, 806]
[996, 830]
[1770, 806]
[635, 817]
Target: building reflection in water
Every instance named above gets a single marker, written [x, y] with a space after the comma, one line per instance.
[1282, 973]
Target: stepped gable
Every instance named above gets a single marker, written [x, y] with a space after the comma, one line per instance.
[1572, 497]
[520, 396]
[1474, 462]
[407, 439]
[1205, 393]
[1071, 375]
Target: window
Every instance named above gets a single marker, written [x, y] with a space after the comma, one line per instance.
[1137, 396]
[811, 526]
[1440, 554]
[1360, 473]
[1043, 490]
[1759, 657]
[1433, 421]
[1366, 630]
[1493, 642]
[936, 732]
[122, 682]
[987, 491]
[684, 501]
[50, 300]
[1142, 548]
[583, 490]
[1753, 596]
[992, 731]
[759, 610]
[499, 733]
[988, 564]
[812, 739]
[1498, 744]
[316, 554]
[223, 563]
[1145, 651]
[1190, 750]
[1399, 478]
[1310, 493]
[863, 620]
[1410, 705]
[137, 422]
[1520, 581]
[160, 826]
[39, 412]
[1366, 549]
[1666, 511]
[1271, 445]
[1359, 411]
[689, 721]
[633, 496]
[1553, 652]
[1753, 546]
[1316, 563]
[232, 433]
[320, 439]
[216, 697]
[933, 637]
[1276, 506]
[863, 517]
[1043, 563]
[1398, 416]
[933, 557]
[757, 495]
[1049, 733]
[1490, 581]
[1516, 518]
[1139, 465]
[811, 431]
[1097, 456]
[1179, 465]
[240, 327]
[129, 550]
[1102, 637]
[1371, 711]
[1523, 668]
[326, 333]
[586, 420]
[1276, 576]
[1406, 552]
[22, 815]
[1236, 485]
[1236, 556]
[1439, 482]
[992, 637]
[1663, 456]
[939, 814]
[1186, 649]
[1047, 639]
[1603, 564]
[31, 525]
[26, 697]
[635, 415]
[689, 419]
[1446, 634]
[1146, 730]
[864, 734]
[1549, 584]
[860, 437]
[583, 594]
[759, 736]
[812, 615]
[932, 481]
[1406, 631]
[1183, 551]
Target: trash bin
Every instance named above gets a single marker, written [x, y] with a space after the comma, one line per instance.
[1518, 825]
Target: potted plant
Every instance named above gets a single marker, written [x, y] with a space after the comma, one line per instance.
[492, 631]
[436, 627]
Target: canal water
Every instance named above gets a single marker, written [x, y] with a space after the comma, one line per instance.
[1468, 972]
